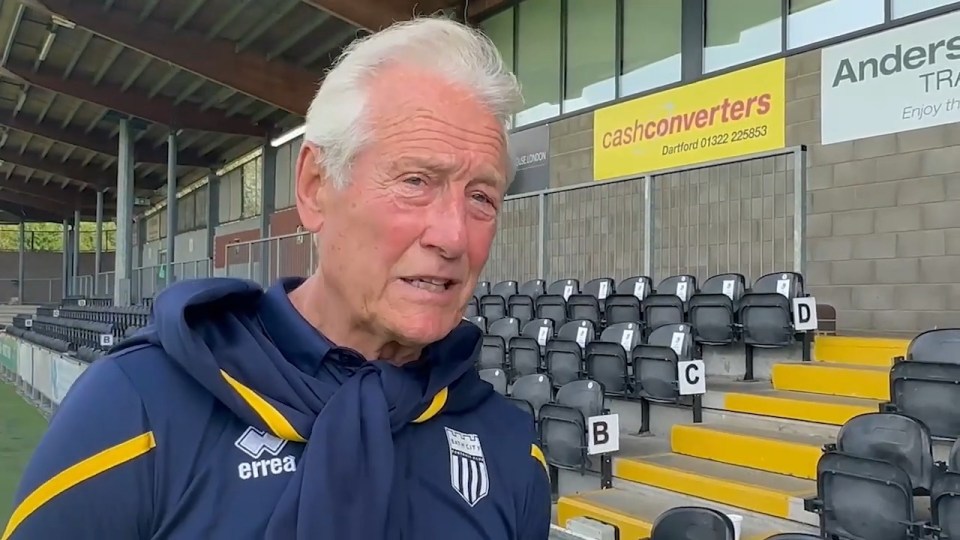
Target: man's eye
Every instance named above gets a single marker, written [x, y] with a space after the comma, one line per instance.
[482, 198]
[414, 181]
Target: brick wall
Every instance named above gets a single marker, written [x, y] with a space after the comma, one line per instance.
[883, 223]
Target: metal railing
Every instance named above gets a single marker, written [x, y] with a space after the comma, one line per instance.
[267, 259]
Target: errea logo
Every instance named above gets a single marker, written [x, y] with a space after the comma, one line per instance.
[256, 443]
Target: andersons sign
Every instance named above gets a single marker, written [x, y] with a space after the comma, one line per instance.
[902, 79]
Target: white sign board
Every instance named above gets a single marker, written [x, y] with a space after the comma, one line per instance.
[805, 314]
[903, 79]
[692, 377]
[603, 434]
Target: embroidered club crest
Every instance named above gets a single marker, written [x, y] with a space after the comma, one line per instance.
[468, 468]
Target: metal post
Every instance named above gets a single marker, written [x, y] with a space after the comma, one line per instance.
[800, 210]
[75, 254]
[65, 270]
[98, 245]
[542, 236]
[268, 179]
[124, 261]
[648, 226]
[20, 263]
[213, 216]
[171, 205]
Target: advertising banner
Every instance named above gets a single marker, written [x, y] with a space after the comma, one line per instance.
[727, 116]
[9, 350]
[902, 79]
[531, 157]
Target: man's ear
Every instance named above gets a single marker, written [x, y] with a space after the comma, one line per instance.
[312, 185]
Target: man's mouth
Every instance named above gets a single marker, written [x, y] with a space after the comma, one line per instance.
[431, 284]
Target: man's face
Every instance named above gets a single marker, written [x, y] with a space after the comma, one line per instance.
[402, 246]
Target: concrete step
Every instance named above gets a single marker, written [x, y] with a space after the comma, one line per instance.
[634, 510]
[761, 399]
[865, 351]
[791, 454]
[849, 380]
[758, 491]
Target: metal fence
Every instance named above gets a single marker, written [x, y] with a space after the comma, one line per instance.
[267, 259]
[741, 215]
[145, 282]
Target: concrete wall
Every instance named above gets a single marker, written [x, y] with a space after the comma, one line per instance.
[883, 217]
[239, 260]
[43, 272]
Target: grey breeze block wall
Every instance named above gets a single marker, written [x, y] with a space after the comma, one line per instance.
[883, 217]
[883, 214]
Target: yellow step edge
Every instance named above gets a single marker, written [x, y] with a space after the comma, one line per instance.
[629, 527]
[833, 379]
[866, 351]
[741, 495]
[776, 455]
[821, 412]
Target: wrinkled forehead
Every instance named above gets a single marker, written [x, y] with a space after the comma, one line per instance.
[418, 102]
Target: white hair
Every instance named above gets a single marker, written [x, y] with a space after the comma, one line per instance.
[335, 120]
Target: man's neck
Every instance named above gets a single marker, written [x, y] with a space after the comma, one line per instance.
[325, 310]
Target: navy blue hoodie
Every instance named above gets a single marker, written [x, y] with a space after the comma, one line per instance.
[230, 417]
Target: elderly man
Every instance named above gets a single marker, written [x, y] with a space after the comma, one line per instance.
[345, 406]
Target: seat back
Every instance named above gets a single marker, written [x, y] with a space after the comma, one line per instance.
[732, 285]
[563, 436]
[552, 306]
[639, 286]
[580, 332]
[599, 288]
[540, 330]
[507, 328]
[788, 284]
[533, 288]
[945, 504]
[794, 536]
[563, 360]
[620, 308]
[627, 334]
[536, 389]
[693, 523]
[521, 307]
[929, 393]
[863, 498]
[584, 307]
[938, 346]
[953, 459]
[660, 309]
[497, 378]
[525, 356]
[564, 287]
[505, 289]
[472, 308]
[586, 395]
[493, 307]
[493, 352]
[482, 288]
[678, 337]
[766, 319]
[479, 320]
[656, 363]
[681, 285]
[714, 317]
[606, 363]
[894, 438]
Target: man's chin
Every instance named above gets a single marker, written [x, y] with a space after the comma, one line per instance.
[422, 330]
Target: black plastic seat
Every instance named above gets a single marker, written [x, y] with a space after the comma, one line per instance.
[928, 392]
[638, 286]
[525, 357]
[599, 288]
[541, 330]
[945, 504]
[497, 378]
[482, 288]
[863, 498]
[505, 289]
[564, 287]
[683, 286]
[693, 523]
[766, 310]
[478, 320]
[535, 390]
[627, 335]
[472, 309]
[493, 307]
[563, 424]
[794, 536]
[586, 395]
[563, 360]
[607, 363]
[656, 362]
[894, 438]
[552, 306]
[521, 306]
[620, 308]
[662, 309]
[533, 288]
[937, 346]
[713, 310]
[493, 353]
[580, 332]
[583, 307]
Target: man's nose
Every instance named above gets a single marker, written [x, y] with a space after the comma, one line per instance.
[446, 227]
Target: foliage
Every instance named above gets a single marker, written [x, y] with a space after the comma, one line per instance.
[49, 237]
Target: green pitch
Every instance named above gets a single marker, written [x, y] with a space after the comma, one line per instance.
[21, 426]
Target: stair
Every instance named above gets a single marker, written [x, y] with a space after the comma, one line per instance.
[757, 456]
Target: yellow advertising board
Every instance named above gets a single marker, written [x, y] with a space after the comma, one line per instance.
[727, 116]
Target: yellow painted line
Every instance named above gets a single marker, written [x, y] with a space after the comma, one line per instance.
[766, 454]
[866, 351]
[833, 379]
[821, 412]
[629, 527]
[741, 495]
